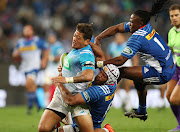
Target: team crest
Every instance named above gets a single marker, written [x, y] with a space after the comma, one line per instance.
[128, 51]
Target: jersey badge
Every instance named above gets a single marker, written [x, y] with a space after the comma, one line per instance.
[149, 36]
[128, 51]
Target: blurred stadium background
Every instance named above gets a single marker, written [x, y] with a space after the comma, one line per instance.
[61, 17]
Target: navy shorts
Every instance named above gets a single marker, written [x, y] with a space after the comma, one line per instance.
[152, 76]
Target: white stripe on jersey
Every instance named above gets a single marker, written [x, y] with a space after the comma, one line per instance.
[86, 51]
[150, 60]
[140, 32]
[105, 89]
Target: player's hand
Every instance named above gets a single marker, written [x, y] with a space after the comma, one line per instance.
[58, 79]
[97, 41]
[59, 68]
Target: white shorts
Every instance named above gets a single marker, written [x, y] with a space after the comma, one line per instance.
[58, 104]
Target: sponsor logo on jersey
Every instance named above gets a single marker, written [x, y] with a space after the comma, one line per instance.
[86, 95]
[109, 97]
[149, 36]
[28, 48]
[146, 69]
[128, 51]
[67, 63]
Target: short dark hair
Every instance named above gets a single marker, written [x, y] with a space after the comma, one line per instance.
[174, 7]
[86, 29]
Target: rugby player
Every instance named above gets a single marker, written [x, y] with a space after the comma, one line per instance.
[150, 46]
[77, 71]
[30, 48]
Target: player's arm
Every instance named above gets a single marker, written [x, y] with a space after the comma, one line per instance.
[15, 53]
[86, 76]
[99, 54]
[118, 61]
[135, 60]
[45, 58]
[69, 98]
[110, 32]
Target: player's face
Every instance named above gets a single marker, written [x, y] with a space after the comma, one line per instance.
[175, 17]
[78, 40]
[101, 78]
[135, 23]
[28, 31]
[52, 39]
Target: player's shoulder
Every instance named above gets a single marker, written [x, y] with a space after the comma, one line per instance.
[172, 30]
[86, 51]
[139, 34]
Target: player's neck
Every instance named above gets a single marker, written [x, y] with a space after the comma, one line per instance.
[178, 28]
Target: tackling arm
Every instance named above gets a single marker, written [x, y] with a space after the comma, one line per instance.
[97, 52]
[86, 76]
[118, 61]
[69, 98]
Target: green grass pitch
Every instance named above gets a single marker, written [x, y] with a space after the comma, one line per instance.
[14, 119]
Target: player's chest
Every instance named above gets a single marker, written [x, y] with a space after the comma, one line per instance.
[28, 46]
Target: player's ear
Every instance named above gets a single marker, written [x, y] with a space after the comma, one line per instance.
[87, 41]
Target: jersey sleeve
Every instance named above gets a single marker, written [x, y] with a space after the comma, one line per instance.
[127, 27]
[42, 44]
[87, 61]
[91, 95]
[132, 47]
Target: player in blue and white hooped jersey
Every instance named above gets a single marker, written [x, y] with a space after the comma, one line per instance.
[79, 64]
[149, 45]
[30, 48]
[99, 96]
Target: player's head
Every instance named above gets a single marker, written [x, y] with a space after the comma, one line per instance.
[140, 17]
[174, 13]
[51, 38]
[82, 35]
[28, 31]
[108, 75]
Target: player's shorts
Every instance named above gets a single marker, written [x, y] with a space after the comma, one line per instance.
[176, 76]
[32, 74]
[152, 76]
[58, 105]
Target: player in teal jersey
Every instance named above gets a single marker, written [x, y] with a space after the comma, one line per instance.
[151, 48]
[78, 69]
[173, 87]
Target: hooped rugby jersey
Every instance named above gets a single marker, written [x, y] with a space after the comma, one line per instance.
[149, 45]
[100, 99]
[30, 51]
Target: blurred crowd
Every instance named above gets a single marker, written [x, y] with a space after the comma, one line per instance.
[62, 16]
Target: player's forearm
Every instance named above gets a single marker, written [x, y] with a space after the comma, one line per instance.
[45, 55]
[99, 54]
[84, 77]
[67, 96]
[118, 61]
[15, 54]
[111, 31]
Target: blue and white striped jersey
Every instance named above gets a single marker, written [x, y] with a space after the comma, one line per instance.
[30, 51]
[75, 62]
[149, 45]
[100, 99]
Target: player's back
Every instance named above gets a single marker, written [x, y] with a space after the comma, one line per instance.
[100, 101]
